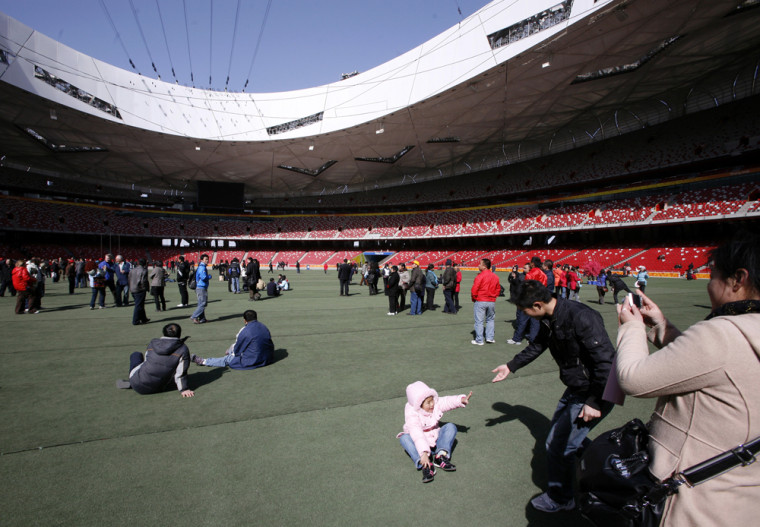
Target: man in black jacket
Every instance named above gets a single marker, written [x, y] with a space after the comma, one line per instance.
[617, 285]
[449, 281]
[344, 275]
[183, 275]
[252, 276]
[391, 291]
[166, 359]
[578, 342]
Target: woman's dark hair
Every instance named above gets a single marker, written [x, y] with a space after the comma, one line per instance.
[742, 252]
[529, 292]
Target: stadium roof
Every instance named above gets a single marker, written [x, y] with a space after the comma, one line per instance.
[516, 80]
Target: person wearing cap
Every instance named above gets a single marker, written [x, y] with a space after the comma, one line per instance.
[641, 279]
[417, 287]
[485, 289]
[449, 281]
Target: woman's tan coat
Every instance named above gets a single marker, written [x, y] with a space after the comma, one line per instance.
[707, 381]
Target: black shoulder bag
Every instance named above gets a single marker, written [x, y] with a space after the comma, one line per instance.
[616, 488]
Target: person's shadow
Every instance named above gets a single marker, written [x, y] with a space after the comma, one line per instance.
[278, 355]
[538, 425]
[207, 376]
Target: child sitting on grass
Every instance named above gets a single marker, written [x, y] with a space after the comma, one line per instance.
[422, 433]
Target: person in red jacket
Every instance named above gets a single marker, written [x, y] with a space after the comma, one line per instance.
[24, 285]
[573, 284]
[456, 290]
[484, 291]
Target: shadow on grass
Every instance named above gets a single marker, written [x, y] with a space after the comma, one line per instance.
[227, 317]
[64, 308]
[538, 425]
[278, 355]
[201, 378]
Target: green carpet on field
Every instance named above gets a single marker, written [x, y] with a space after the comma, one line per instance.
[310, 438]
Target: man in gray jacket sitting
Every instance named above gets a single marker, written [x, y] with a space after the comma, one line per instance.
[166, 359]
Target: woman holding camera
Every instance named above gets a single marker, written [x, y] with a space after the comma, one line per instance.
[706, 382]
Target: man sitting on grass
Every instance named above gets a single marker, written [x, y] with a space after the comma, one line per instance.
[166, 359]
[253, 347]
[272, 289]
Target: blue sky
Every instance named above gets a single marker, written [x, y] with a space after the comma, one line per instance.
[304, 43]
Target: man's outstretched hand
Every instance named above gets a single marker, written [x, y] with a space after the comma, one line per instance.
[501, 373]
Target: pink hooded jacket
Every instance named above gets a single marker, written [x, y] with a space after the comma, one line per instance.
[422, 426]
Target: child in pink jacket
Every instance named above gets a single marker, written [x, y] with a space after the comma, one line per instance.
[422, 433]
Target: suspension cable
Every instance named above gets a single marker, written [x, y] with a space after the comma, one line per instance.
[210, 42]
[116, 32]
[189, 53]
[232, 50]
[258, 43]
[459, 10]
[166, 41]
[137, 20]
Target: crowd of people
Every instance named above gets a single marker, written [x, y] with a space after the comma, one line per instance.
[704, 378]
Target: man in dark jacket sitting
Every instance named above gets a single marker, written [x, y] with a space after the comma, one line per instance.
[578, 342]
[166, 360]
[253, 347]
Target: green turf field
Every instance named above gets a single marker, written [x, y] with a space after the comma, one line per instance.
[309, 439]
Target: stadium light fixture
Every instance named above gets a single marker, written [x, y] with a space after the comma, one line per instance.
[546, 64]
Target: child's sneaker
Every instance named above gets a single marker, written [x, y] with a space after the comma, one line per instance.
[427, 474]
[196, 359]
[443, 462]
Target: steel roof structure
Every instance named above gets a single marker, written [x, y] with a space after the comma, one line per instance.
[516, 80]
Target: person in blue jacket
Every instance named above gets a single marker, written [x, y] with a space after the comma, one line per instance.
[253, 347]
[202, 279]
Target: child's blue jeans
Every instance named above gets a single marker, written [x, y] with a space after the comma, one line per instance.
[446, 436]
